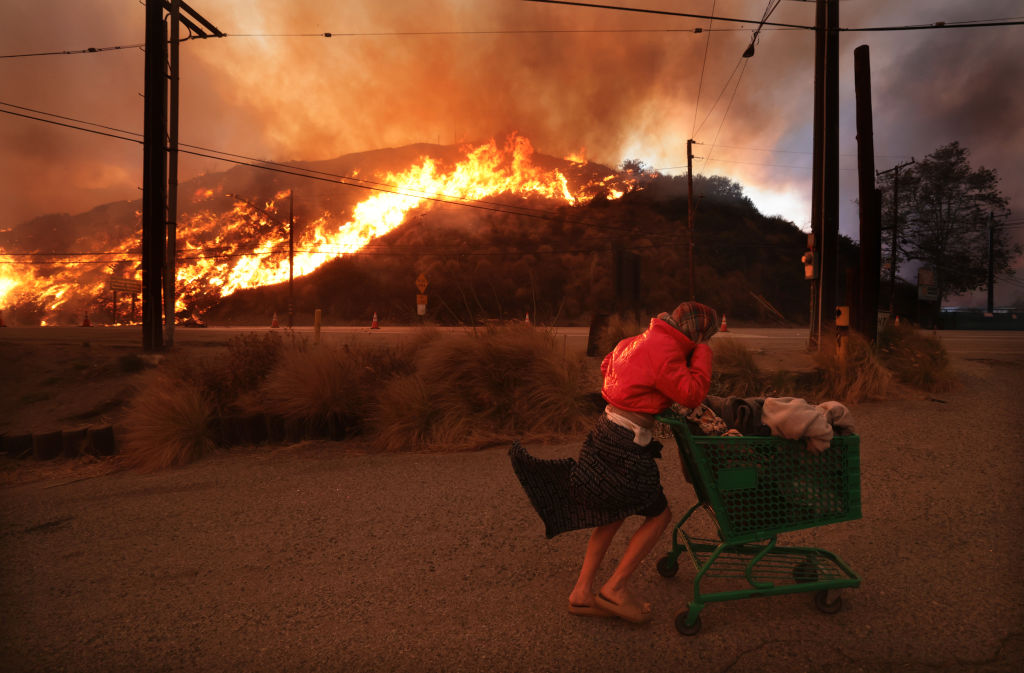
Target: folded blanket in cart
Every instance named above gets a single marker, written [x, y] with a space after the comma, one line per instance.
[787, 417]
[795, 418]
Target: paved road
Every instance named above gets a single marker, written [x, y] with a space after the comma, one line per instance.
[961, 343]
[330, 557]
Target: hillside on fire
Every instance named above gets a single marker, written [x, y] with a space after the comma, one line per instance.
[497, 230]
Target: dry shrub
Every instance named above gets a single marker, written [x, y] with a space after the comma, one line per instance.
[166, 424]
[853, 374]
[734, 372]
[228, 380]
[473, 389]
[316, 381]
[916, 359]
[323, 382]
[617, 328]
[250, 359]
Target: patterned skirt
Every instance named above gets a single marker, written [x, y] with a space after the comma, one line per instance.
[612, 479]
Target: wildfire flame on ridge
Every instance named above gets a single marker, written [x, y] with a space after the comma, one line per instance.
[246, 246]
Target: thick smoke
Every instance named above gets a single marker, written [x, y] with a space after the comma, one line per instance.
[620, 95]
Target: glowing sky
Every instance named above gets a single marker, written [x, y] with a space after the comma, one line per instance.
[619, 95]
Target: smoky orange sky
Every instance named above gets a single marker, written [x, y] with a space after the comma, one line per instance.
[630, 94]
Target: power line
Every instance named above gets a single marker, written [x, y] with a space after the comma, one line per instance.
[926, 26]
[68, 52]
[720, 94]
[526, 31]
[748, 163]
[703, 65]
[71, 126]
[727, 108]
[974, 23]
[323, 176]
[416, 33]
[762, 149]
[745, 59]
[399, 251]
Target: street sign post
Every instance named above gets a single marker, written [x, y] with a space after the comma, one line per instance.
[125, 285]
[927, 288]
[421, 298]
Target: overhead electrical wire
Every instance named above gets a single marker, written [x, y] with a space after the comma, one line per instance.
[766, 25]
[978, 23]
[744, 59]
[415, 33]
[524, 31]
[721, 93]
[726, 113]
[665, 238]
[703, 66]
[323, 176]
[371, 250]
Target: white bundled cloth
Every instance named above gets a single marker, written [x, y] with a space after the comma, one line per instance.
[795, 418]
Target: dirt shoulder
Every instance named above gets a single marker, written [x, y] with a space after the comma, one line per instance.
[328, 556]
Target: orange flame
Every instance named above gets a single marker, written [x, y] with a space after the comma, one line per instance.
[247, 246]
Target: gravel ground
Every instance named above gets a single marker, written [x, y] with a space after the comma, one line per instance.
[322, 557]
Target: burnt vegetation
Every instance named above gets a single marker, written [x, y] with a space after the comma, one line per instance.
[560, 264]
[492, 260]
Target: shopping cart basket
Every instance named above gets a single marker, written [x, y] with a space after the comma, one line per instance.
[754, 488]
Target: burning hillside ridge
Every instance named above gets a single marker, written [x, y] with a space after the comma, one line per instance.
[227, 242]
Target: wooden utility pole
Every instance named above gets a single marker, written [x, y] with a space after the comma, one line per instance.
[160, 134]
[291, 257]
[690, 214]
[825, 189]
[866, 315]
[154, 175]
[170, 264]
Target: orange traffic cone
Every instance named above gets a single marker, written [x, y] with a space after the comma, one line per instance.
[897, 321]
[527, 318]
[85, 322]
[725, 325]
[274, 323]
[373, 323]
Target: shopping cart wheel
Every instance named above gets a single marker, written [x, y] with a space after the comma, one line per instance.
[668, 566]
[829, 607]
[683, 628]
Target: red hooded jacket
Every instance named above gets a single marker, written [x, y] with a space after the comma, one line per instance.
[648, 372]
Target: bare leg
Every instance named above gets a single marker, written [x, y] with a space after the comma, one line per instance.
[600, 540]
[646, 536]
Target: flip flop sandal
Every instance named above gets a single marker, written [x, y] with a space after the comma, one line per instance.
[631, 611]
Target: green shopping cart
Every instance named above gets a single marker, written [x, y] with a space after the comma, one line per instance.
[754, 488]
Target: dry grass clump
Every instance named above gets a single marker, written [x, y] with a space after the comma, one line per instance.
[166, 424]
[734, 372]
[853, 374]
[226, 380]
[916, 359]
[314, 383]
[469, 390]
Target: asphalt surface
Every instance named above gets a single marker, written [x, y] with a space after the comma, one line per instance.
[328, 557]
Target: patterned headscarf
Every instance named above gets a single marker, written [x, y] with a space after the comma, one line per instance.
[697, 321]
